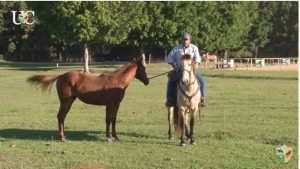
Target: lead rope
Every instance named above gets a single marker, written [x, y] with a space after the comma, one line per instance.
[158, 75]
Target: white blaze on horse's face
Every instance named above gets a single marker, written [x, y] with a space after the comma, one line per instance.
[186, 71]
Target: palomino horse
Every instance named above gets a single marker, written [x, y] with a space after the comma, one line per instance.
[106, 89]
[188, 99]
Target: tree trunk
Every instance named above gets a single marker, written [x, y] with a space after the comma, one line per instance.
[142, 52]
[18, 49]
[150, 57]
[59, 50]
[256, 52]
[86, 58]
[166, 54]
[225, 54]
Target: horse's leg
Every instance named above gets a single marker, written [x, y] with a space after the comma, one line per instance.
[187, 132]
[170, 117]
[110, 115]
[65, 105]
[114, 119]
[182, 126]
[192, 121]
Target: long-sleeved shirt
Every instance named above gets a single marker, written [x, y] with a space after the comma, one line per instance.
[176, 53]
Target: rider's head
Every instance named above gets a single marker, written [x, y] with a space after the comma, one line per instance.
[186, 40]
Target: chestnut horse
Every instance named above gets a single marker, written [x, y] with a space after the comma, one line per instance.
[106, 89]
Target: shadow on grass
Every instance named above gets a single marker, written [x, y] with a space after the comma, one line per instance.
[31, 134]
[250, 77]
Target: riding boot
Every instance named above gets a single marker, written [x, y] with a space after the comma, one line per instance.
[169, 102]
[203, 103]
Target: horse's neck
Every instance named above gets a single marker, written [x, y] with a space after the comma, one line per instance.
[126, 74]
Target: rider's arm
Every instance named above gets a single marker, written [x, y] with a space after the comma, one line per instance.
[171, 58]
[197, 57]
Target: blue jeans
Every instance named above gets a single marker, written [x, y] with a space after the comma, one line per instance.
[171, 86]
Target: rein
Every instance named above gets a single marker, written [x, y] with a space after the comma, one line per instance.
[187, 96]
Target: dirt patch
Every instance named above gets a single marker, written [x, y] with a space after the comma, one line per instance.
[293, 67]
[12, 161]
[88, 165]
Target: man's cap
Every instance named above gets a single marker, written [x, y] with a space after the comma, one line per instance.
[186, 36]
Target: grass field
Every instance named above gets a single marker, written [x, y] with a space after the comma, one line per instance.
[249, 115]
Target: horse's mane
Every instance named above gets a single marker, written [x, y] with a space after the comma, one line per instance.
[186, 57]
[189, 57]
[123, 68]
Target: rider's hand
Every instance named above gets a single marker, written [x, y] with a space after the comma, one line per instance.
[176, 69]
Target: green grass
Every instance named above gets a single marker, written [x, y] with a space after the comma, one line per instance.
[249, 115]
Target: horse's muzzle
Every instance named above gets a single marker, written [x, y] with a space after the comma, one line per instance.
[146, 82]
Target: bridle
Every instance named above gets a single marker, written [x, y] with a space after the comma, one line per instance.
[191, 83]
[190, 73]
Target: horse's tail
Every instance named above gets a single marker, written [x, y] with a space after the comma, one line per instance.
[177, 120]
[43, 80]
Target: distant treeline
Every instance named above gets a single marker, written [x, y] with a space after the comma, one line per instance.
[63, 31]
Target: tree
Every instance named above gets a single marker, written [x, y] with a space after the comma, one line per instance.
[161, 24]
[85, 22]
[284, 35]
[258, 36]
[234, 22]
[13, 36]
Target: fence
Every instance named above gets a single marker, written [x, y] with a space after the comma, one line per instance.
[247, 62]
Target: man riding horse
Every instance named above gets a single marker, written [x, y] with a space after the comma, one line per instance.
[174, 59]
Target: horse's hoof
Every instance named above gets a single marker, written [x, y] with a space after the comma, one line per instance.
[170, 137]
[182, 144]
[116, 138]
[193, 142]
[109, 140]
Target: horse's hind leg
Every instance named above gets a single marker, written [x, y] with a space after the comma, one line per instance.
[170, 118]
[65, 105]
